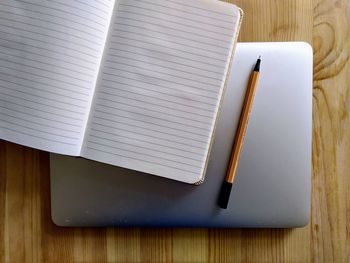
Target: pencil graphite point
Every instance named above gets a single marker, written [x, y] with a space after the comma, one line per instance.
[257, 65]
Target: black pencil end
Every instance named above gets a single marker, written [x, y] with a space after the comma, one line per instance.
[224, 195]
[257, 65]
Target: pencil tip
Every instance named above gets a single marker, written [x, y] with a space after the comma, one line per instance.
[257, 65]
[259, 57]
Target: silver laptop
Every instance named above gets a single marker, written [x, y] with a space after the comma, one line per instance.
[272, 185]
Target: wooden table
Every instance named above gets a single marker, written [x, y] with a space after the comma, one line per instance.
[27, 233]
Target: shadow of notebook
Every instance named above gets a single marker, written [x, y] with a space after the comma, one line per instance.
[272, 186]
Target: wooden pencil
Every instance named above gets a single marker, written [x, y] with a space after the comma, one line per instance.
[239, 137]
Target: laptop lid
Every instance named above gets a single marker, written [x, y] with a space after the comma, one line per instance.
[273, 181]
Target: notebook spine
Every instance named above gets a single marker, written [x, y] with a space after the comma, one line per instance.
[234, 43]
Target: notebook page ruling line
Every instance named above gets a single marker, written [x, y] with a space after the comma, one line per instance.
[133, 134]
[49, 56]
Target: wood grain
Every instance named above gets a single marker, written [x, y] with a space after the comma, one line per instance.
[331, 134]
[28, 235]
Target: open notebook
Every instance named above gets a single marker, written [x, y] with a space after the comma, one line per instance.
[133, 83]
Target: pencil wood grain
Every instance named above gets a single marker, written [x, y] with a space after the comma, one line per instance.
[28, 235]
[242, 126]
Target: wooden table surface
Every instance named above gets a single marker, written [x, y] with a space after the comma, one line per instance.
[28, 235]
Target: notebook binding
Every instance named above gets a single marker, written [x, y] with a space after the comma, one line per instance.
[221, 99]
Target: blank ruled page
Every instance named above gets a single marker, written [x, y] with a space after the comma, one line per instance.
[160, 86]
[50, 53]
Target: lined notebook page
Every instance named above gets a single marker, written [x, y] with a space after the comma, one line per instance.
[160, 86]
[50, 53]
